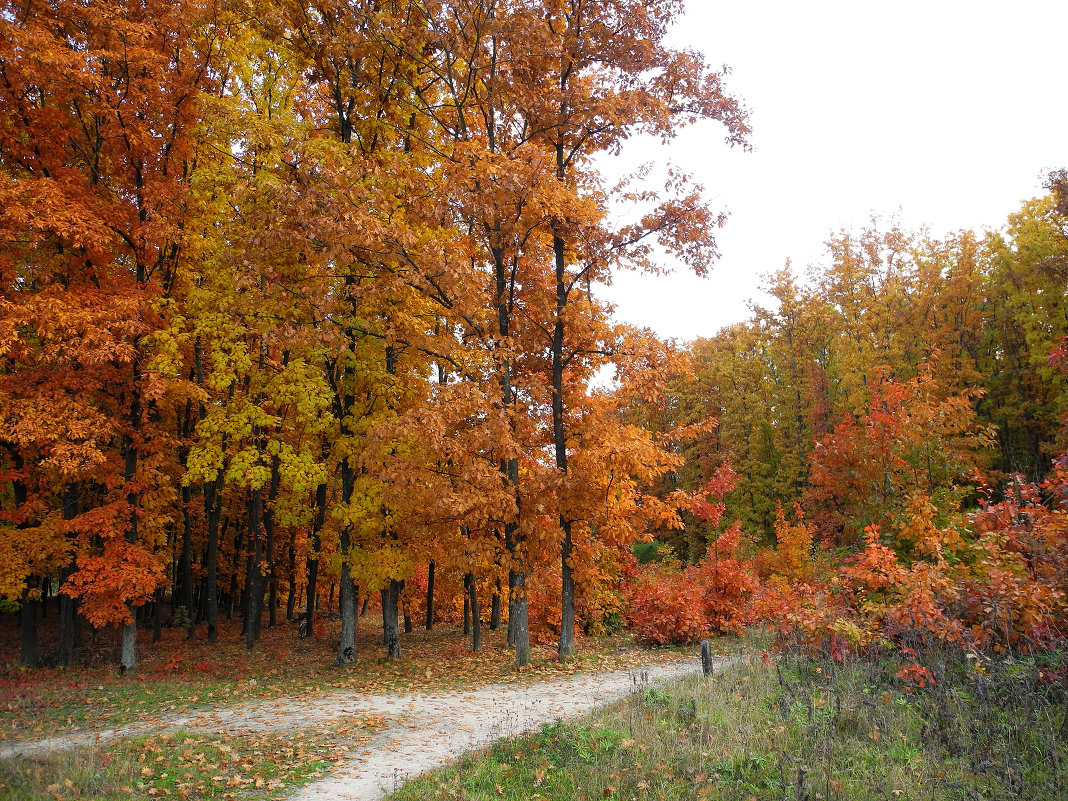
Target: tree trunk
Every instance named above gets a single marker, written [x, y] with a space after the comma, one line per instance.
[185, 563]
[518, 631]
[430, 597]
[404, 609]
[267, 578]
[567, 594]
[522, 626]
[211, 583]
[518, 621]
[346, 651]
[313, 558]
[67, 605]
[128, 654]
[233, 580]
[29, 654]
[510, 636]
[391, 630]
[212, 511]
[467, 605]
[495, 607]
[157, 616]
[255, 577]
[68, 611]
[128, 658]
[246, 591]
[272, 600]
[291, 597]
[476, 620]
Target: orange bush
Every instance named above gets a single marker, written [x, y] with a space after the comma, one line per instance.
[672, 605]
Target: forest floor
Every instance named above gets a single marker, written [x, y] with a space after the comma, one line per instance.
[178, 676]
[190, 727]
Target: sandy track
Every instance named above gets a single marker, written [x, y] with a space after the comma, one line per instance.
[425, 730]
[438, 728]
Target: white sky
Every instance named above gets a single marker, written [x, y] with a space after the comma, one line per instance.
[947, 113]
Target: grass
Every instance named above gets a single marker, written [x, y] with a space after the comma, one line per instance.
[185, 765]
[793, 729]
[178, 675]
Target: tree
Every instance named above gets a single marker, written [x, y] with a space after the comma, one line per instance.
[594, 90]
[99, 103]
[911, 451]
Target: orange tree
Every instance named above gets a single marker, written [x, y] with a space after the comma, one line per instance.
[99, 103]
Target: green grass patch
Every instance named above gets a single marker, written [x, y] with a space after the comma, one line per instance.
[793, 730]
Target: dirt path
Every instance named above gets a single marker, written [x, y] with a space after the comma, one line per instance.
[426, 730]
[437, 729]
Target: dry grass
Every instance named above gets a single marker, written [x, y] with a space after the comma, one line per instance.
[793, 729]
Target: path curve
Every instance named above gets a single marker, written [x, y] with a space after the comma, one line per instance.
[425, 730]
[440, 727]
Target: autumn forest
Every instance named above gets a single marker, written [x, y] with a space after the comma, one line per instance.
[300, 316]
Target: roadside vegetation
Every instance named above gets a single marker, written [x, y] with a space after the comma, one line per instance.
[796, 727]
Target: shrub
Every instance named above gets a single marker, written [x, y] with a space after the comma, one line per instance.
[673, 605]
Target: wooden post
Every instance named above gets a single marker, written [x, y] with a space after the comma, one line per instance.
[707, 665]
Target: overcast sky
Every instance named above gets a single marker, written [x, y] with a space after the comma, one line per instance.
[946, 113]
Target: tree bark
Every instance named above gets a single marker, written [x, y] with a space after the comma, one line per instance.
[68, 611]
[128, 659]
[128, 652]
[67, 605]
[291, 596]
[495, 607]
[430, 597]
[476, 621]
[510, 635]
[255, 576]
[211, 582]
[313, 558]
[403, 600]
[567, 593]
[467, 604]
[346, 651]
[390, 627]
[270, 579]
[212, 511]
[29, 653]
[518, 631]
[522, 624]
[185, 563]
[157, 616]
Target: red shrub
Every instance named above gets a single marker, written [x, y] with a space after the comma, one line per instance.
[669, 605]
